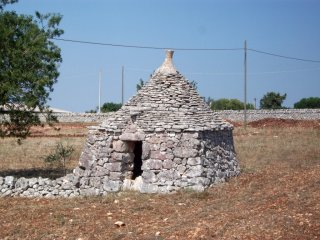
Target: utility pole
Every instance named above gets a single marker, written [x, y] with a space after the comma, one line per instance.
[122, 82]
[255, 103]
[100, 77]
[245, 84]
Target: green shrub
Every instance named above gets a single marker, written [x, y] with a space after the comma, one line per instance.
[60, 156]
[311, 102]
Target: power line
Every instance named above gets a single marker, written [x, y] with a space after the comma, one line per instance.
[228, 73]
[146, 47]
[183, 49]
[281, 56]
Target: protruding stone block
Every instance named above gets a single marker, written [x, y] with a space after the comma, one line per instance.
[111, 186]
[194, 161]
[152, 164]
[167, 164]
[194, 171]
[9, 181]
[122, 146]
[132, 137]
[149, 176]
[22, 184]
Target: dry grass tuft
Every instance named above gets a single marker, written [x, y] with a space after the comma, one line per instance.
[26, 159]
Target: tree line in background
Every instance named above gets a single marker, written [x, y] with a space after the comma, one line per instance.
[227, 104]
[271, 100]
[107, 107]
[311, 102]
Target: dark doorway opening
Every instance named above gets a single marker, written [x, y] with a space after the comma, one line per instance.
[137, 161]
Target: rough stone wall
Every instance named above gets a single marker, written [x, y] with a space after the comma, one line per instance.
[254, 115]
[39, 187]
[233, 115]
[80, 117]
[170, 162]
[72, 117]
[100, 166]
[218, 156]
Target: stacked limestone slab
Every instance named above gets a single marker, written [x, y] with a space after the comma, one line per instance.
[184, 144]
[164, 139]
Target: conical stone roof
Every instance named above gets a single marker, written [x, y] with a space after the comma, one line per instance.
[167, 102]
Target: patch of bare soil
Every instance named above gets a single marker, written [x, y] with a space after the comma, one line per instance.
[285, 123]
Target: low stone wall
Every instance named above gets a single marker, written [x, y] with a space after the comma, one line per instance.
[254, 115]
[71, 117]
[66, 186]
[233, 115]
[80, 117]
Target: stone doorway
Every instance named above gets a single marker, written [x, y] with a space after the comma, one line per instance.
[137, 161]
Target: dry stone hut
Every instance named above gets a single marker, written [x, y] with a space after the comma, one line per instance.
[163, 139]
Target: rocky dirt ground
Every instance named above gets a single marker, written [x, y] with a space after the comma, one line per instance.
[272, 122]
[275, 197]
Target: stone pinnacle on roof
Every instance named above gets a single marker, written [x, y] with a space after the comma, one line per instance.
[167, 66]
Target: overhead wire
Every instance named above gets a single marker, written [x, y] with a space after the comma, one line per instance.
[282, 56]
[229, 73]
[146, 47]
[184, 49]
